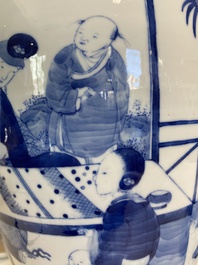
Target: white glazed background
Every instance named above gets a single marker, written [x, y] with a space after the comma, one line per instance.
[54, 31]
[53, 25]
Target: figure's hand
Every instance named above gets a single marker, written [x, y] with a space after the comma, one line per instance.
[82, 91]
[91, 92]
[83, 94]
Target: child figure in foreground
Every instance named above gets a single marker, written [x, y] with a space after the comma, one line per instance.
[130, 232]
[87, 91]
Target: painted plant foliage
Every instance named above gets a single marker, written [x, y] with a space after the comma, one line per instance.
[191, 8]
[81, 138]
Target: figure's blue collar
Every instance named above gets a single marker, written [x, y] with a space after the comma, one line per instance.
[129, 196]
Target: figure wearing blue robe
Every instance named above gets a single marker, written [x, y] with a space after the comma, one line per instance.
[95, 127]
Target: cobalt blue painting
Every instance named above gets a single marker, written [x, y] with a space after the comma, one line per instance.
[84, 159]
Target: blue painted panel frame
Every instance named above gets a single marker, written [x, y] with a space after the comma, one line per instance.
[155, 88]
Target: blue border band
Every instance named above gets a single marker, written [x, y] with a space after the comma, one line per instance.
[179, 122]
[74, 230]
[47, 229]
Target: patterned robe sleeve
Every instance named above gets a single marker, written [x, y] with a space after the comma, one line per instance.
[60, 95]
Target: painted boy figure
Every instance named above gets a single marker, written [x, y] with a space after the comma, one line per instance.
[87, 91]
[130, 232]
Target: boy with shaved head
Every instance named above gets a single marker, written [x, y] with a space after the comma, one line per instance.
[87, 91]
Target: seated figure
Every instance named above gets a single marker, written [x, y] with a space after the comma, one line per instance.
[130, 226]
[12, 55]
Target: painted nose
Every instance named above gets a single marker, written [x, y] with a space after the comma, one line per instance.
[84, 39]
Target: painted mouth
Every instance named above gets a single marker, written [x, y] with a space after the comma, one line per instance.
[82, 43]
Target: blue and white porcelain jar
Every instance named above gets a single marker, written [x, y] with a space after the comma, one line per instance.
[99, 136]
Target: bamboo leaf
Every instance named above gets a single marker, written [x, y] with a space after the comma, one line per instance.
[185, 3]
[189, 9]
[195, 22]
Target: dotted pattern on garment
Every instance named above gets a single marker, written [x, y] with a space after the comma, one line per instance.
[75, 197]
[61, 200]
[10, 199]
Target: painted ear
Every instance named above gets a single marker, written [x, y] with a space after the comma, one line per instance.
[80, 21]
[115, 34]
[127, 181]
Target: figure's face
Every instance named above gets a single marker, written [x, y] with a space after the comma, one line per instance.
[94, 35]
[109, 175]
[79, 257]
[7, 72]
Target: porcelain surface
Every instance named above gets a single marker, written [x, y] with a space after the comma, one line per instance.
[99, 132]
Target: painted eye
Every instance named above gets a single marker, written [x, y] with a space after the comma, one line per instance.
[104, 173]
[2, 67]
[95, 37]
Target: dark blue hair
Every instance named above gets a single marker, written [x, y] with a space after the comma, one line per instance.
[134, 165]
[17, 48]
